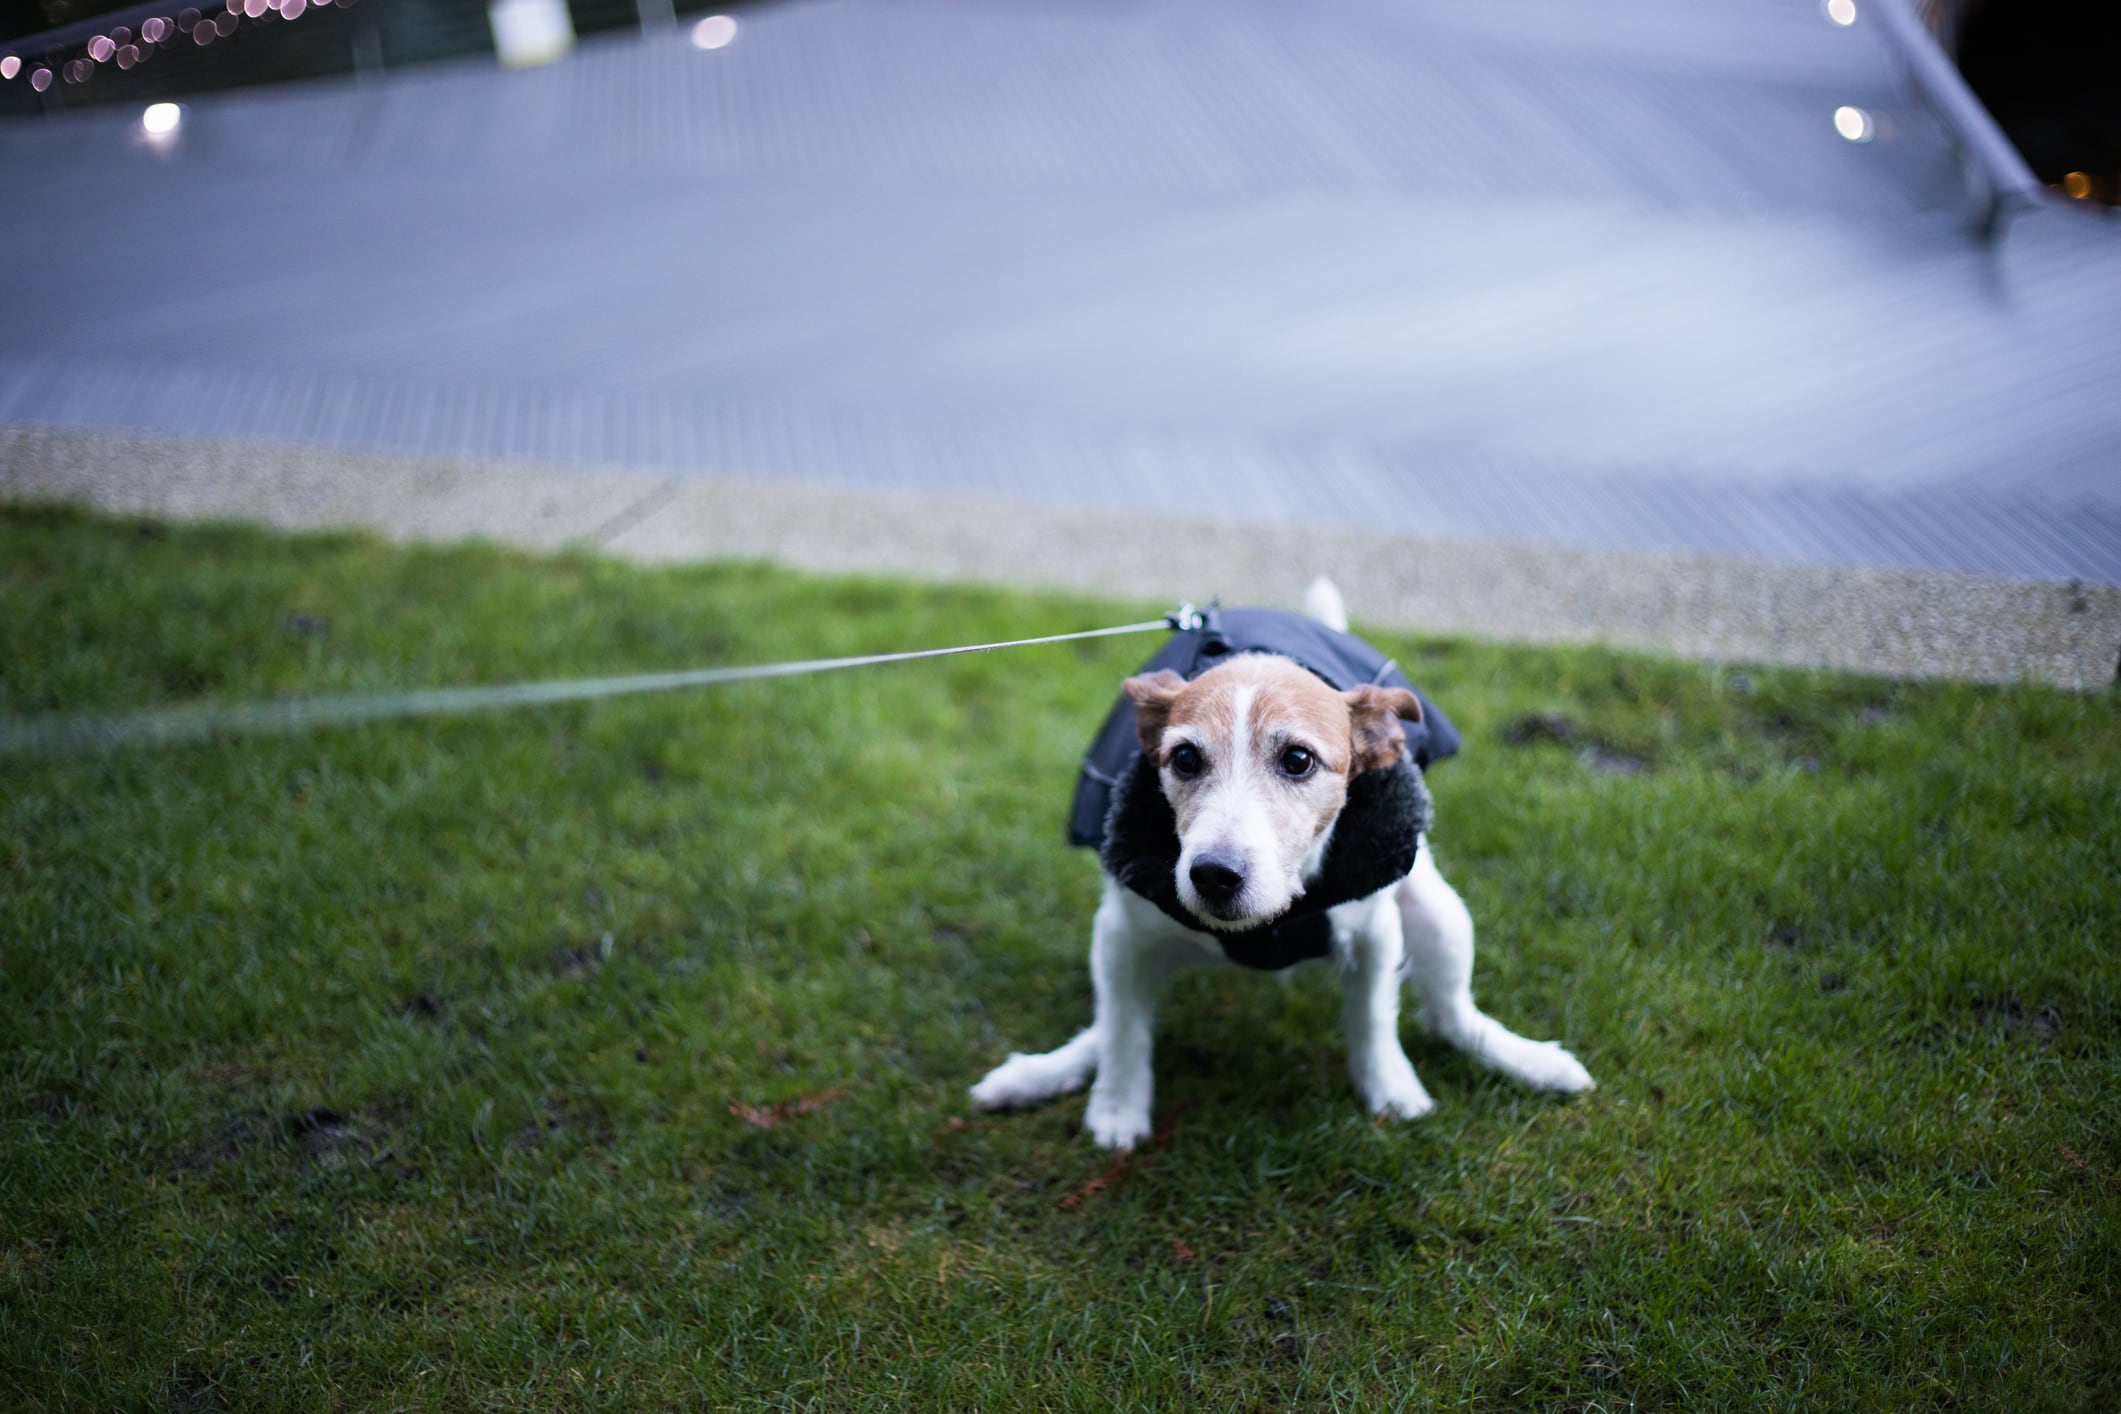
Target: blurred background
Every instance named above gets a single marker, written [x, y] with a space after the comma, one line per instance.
[1787, 280]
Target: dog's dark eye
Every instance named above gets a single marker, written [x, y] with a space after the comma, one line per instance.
[1297, 761]
[1185, 759]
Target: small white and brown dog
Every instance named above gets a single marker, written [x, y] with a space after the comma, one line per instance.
[1256, 758]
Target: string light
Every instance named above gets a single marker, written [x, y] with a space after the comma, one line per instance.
[118, 46]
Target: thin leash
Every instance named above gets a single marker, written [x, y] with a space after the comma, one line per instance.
[66, 734]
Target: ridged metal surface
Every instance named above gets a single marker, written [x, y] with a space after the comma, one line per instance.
[1515, 270]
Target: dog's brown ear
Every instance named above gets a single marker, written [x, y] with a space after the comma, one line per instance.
[1152, 695]
[1374, 715]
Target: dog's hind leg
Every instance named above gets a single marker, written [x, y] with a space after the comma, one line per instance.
[1439, 966]
[1027, 1079]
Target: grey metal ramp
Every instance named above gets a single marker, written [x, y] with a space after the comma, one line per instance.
[1407, 267]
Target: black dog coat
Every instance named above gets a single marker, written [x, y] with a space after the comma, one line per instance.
[1120, 807]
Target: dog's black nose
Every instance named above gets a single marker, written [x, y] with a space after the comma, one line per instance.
[1218, 877]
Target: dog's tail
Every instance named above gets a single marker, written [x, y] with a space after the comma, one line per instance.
[1322, 602]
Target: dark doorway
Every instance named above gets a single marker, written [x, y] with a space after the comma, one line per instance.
[2050, 72]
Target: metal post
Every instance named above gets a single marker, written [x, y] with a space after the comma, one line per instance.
[2004, 183]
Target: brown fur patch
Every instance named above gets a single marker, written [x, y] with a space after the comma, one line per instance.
[1295, 706]
[1374, 715]
[1152, 695]
[1352, 731]
[1285, 698]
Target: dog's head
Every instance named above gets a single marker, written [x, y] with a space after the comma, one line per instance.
[1255, 756]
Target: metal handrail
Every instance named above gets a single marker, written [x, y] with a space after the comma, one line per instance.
[2004, 184]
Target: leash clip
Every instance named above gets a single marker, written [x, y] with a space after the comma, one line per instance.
[1185, 618]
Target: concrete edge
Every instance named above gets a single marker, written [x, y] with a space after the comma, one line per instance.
[1897, 623]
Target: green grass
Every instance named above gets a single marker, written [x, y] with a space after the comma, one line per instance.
[393, 1066]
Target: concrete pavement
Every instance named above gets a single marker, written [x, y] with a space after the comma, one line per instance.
[1909, 623]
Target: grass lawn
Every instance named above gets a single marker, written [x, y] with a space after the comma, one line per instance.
[615, 1056]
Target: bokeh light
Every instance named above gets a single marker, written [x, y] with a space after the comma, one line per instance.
[714, 32]
[1854, 124]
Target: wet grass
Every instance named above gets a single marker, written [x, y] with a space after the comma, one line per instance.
[614, 1056]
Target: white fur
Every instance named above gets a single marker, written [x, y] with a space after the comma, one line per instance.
[1418, 930]
[1322, 601]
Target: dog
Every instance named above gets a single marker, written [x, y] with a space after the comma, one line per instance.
[1260, 796]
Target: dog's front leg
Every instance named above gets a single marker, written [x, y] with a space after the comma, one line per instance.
[1383, 1075]
[1126, 970]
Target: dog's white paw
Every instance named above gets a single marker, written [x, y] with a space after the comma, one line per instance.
[1020, 1080]
[1114, 1125]
[1394, 1092]
[1403, 1106]
[1548, 1067]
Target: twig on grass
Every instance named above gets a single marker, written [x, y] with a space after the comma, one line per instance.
[776, 1113]
[1123, 1165]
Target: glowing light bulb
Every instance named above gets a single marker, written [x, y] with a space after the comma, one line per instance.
[714, 32]
[1854, 124]
[1841, 12]
[161, 119]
